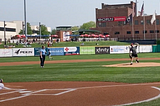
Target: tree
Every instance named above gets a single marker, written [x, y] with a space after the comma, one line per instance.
[88, 25]
[75, 30]
[29, 31]
[53, 32]
[44, 30]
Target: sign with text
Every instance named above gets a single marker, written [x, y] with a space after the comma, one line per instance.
[71, 51]
[56, 51]
[5, 52]
[111, 19]
[23, 52]
[102, 50]
[119, 49]
[87, 50]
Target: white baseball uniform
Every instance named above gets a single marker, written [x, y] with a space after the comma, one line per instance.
[1, 86]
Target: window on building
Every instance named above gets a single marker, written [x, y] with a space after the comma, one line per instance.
[120, 23]
[148, 22]
[128, 32]
[116, 33]
[144, 31]
[142, 22]
[136, 32]
[151, 31]
[102, 24]
[157, 21]
[156, 31]
[8, 29]
[136, 22]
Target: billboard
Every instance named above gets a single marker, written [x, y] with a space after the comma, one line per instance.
[23, 52]
[37, 51]
[56, 51]
[87, 50]
[119, 49]
[5, 52]
[111, 19]
[102, 50]
[145, 48]
[65, 37]
[71, 51]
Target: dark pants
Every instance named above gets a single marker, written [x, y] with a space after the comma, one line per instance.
[42, 60]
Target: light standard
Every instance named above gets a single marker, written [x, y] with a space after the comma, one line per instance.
[25, 18]
[4, 33]
[39, 32]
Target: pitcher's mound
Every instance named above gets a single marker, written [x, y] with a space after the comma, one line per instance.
[147, 64]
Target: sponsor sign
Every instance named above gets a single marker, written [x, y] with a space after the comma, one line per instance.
[119, 49]
[111, 19]
[87, 50]
[56, 51]
[145, 48]
[65, 37]
[5, 52]
[102, 50]
[37, 51]
[23, 51]
[71, 51]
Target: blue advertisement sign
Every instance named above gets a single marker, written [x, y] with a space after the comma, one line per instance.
[37, 51]
[56, 51]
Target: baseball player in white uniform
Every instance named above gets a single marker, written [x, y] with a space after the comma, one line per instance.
[1, 84]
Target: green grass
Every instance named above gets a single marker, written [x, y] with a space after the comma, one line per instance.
[73, 44]
[89, 71]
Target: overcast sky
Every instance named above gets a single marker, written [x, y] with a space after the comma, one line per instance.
[53, 13]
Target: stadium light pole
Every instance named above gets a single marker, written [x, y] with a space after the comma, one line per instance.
[4, 32]
[25, 20]
[39, 32]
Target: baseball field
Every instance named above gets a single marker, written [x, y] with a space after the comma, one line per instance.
[82, 80]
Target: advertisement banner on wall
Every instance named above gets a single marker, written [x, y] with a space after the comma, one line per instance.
[37, 51]
[23, 52]
[119, 49]
[65, 37]
[56, 51]
[111, 19]
[87, 50]
[102, 50]
[71, 51]
[145, 48]
[5, 52]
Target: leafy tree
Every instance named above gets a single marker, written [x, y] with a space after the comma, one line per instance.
[29, 31]
[75, 29]
[44, 30]
[53, 32]
[88, 25]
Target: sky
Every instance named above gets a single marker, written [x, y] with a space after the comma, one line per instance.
[54, 13]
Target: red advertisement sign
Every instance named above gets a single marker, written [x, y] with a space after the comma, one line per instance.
[111, 19]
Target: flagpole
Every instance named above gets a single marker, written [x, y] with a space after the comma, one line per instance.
[132, 24]
[144, 32]
[155, 26]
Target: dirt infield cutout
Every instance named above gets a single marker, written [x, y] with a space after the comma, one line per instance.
[145, 64]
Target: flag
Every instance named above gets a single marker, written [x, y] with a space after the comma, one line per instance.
[142, 10]
[129, 19]
[153, 18]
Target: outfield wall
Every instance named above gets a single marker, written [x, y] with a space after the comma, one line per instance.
[60, 51]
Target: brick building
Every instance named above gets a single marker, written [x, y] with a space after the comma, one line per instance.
[111, 19]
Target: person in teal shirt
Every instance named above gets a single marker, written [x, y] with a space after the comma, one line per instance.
[42, 56]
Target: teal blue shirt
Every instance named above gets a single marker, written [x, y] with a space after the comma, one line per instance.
[43, 51]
